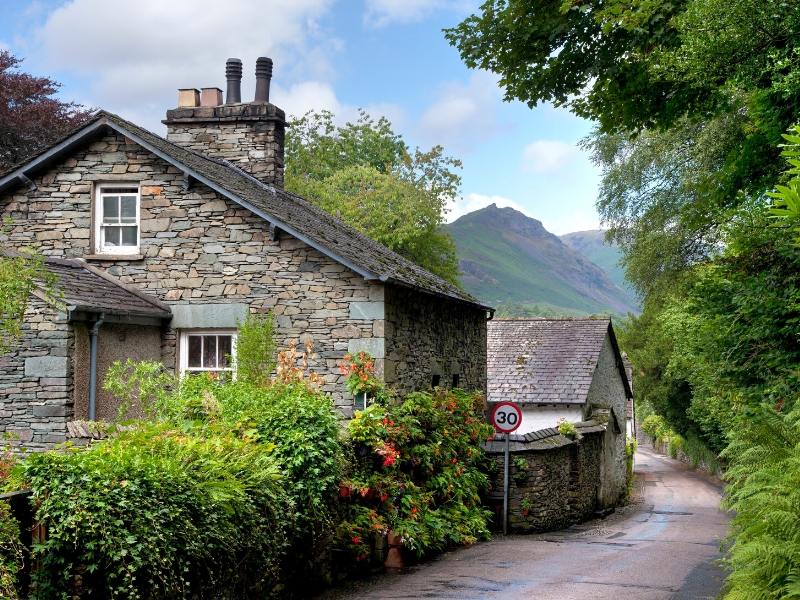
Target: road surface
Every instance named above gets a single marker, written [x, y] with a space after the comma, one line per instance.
[664, 546]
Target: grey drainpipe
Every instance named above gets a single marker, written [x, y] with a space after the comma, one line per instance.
[93, 332]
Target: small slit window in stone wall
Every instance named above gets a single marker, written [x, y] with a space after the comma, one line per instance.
[456, 380]
[116, 219]
[436, 380]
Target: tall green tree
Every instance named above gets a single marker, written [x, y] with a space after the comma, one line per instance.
[690, 97]
[365, 174]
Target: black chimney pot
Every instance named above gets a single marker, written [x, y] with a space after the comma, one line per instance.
[233, 73]
[263, 78]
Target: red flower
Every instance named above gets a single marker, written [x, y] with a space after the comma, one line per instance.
[414, 510]
[453, 461]
[356, 540]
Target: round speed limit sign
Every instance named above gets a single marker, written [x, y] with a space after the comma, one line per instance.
[506, 417]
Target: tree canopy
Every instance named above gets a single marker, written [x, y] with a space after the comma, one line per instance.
[31, 117]
[365, 174]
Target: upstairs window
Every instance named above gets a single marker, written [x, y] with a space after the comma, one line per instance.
[117, 219]
[207, 351]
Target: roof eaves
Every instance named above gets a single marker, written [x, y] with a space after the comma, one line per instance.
[20, 174]
[236, 198]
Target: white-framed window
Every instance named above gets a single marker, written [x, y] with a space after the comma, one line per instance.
[116, 219]
[207, 351]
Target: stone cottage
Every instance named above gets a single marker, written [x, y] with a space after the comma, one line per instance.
[161, 246]
[568, 369]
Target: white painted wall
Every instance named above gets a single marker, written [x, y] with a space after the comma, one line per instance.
[536, 417]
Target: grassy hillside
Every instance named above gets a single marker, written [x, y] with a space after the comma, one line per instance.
[593, 246]
[511, 261]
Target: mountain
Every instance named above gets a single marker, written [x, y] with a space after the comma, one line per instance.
[511, 261]
[592, 244]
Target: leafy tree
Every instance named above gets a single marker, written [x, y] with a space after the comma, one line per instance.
[20, 274]
[365, 174]
[690, 97]
[30, 116]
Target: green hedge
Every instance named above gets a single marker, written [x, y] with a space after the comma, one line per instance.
[301, 425]
[160, 512]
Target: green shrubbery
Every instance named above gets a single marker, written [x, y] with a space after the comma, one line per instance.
[764, 495]
[158, 511]
[10, 553]
[630, 477]
[228, 489]
[657, 428]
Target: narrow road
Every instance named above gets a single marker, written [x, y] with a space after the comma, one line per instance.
[665, 546]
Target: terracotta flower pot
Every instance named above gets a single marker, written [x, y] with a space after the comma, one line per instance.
[394, 558]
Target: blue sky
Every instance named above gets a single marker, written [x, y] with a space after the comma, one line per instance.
[387, 56]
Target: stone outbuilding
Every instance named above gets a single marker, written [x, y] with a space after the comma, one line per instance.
[199, 227]
[569, 369]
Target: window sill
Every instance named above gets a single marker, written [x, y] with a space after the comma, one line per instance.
[129, 257]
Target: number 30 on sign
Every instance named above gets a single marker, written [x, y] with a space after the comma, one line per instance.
[506, 417]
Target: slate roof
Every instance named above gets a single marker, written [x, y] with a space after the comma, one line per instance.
[85, 288]
[294, 214]
[545, 361]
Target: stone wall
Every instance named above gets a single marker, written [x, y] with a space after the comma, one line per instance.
[553, 481]
[114, 342]
[608, 392]
[427, 336]
[200, 248]
[36, 379]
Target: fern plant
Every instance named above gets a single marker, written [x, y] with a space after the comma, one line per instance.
[764, 492]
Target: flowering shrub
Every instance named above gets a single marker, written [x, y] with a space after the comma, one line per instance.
[415, 472]
[359, 372]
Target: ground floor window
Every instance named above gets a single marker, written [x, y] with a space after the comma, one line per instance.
[207, 351]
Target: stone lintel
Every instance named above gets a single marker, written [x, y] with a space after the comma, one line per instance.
[46, 366]
[367, 310]
[199, 316]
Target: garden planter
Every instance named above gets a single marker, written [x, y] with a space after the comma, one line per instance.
[394, 558]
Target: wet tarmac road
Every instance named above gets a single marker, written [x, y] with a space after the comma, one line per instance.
[664, 546]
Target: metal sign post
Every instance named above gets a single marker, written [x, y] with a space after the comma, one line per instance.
[506, 417]
[505, 488]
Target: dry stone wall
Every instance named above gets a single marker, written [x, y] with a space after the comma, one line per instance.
[202, 249]
[553, 482]
[36, 379]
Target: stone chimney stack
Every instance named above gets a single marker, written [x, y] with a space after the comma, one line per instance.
[248, 134]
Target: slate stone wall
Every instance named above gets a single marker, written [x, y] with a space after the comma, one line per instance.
[36, 380]
[557, 487]
[200, 248]
[608, 391]
[427, 336]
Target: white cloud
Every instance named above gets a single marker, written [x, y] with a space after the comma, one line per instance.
[547, 156]
[136, 54]
[472, 202]
[380, 13]
[464, 113]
